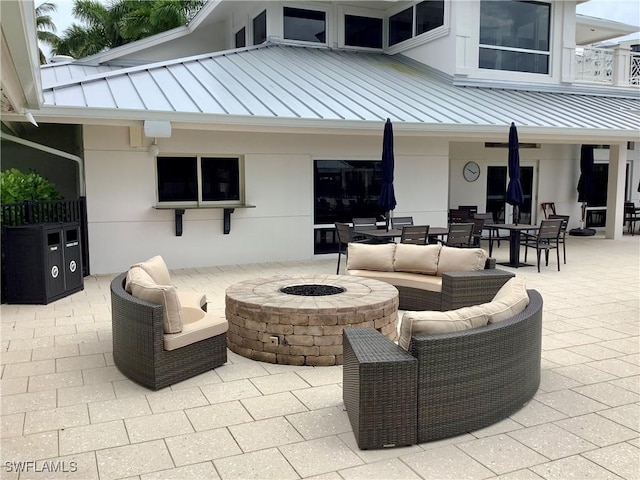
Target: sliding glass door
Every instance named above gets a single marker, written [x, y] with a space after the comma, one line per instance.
[497, 181]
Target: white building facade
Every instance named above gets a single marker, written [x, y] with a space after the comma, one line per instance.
[269, 120]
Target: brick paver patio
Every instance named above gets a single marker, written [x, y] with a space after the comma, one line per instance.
[66, 407]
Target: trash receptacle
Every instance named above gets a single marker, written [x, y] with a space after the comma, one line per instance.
[72, 258]
[37, 271]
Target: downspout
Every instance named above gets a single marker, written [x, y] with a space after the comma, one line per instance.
[52, 151]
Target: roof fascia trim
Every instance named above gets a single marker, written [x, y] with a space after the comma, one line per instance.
[267, 124]
[589, 21]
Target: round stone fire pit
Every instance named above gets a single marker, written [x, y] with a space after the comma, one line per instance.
[298, 320]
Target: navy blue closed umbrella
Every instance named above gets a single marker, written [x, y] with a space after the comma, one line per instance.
[515, 196]
[387, 197]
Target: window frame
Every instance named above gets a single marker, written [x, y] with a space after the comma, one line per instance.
[314, 8]
[306, 8]
[266, 27]
[235, 36]
[199, 182]
[519, 50]
[343, 11]
[416, 40]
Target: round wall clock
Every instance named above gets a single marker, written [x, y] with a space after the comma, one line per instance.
[471, 171]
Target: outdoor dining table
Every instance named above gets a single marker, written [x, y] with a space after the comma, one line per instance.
[514, 240]
[392, 234]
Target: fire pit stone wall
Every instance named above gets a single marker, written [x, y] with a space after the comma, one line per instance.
[268, 325]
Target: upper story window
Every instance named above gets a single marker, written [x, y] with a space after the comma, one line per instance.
[514, 35]
[416, 20]
[260, 28]
[196, 180]
[362, 31]
[304, 25]
[241, 38]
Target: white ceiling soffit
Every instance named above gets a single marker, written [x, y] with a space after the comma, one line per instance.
[591, 30]
[19, 56]
[282, 85]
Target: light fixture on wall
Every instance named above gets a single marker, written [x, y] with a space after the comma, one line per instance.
[157, 128]
[154, 149]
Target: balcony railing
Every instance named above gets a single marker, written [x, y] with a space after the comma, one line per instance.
[606, 66]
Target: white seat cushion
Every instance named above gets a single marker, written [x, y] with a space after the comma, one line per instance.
[157, 269]
[416, 258]
[197, 326]
[510, 300]
[191, 299]
[362, 256]
[143, 287]
[453, 259]
[434, 322]
[403, 279]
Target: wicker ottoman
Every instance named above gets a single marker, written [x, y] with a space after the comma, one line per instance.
[379, 389]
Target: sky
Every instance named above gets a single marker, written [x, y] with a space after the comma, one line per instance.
[625, 11]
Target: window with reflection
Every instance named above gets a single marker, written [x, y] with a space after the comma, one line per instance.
[219, 180]
[401, 26]
[304, 25]
[362, 31]
[429, 15]
[260, 28]
[344, 189]
[514, 35]
[241, 38]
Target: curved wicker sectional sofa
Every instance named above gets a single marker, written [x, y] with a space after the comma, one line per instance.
[139, 343]
[445, 385]
[470, 285]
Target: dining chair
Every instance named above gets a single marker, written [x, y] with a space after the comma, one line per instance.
[399, 222]
[415, 234]
[458, 216]
[493, 234]
[563, 232]
[364, 223]
[470, 209]
[546, 239]
[476, 234]
[459, 235]
[548, 209]
[631, 216]
[346, 235]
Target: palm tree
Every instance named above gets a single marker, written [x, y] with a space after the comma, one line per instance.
[121, 22]
[45, 27]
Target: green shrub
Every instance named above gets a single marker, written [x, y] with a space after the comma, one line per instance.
[17, 186]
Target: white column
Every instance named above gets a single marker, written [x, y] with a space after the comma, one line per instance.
[621, 66]
[615, 190]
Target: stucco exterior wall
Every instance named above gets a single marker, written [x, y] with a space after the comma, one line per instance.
[556, 174]
[124, 228]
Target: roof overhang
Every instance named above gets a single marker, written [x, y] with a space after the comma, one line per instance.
[21, 84]
[591, 30]
[256, 124]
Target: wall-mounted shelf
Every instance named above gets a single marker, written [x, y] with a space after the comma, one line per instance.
[179, 211]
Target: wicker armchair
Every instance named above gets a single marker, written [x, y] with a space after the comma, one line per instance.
[446, 385]
[138, 343]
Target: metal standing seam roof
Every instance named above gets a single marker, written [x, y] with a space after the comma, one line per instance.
[293, 82]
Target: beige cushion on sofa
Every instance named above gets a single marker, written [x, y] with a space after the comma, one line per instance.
[157, 269]
[453, 259]
[143, 287]
[433, 322]
[416, 258]
[198, 325]
[403, 279]
[510, 300]
[364, 256]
